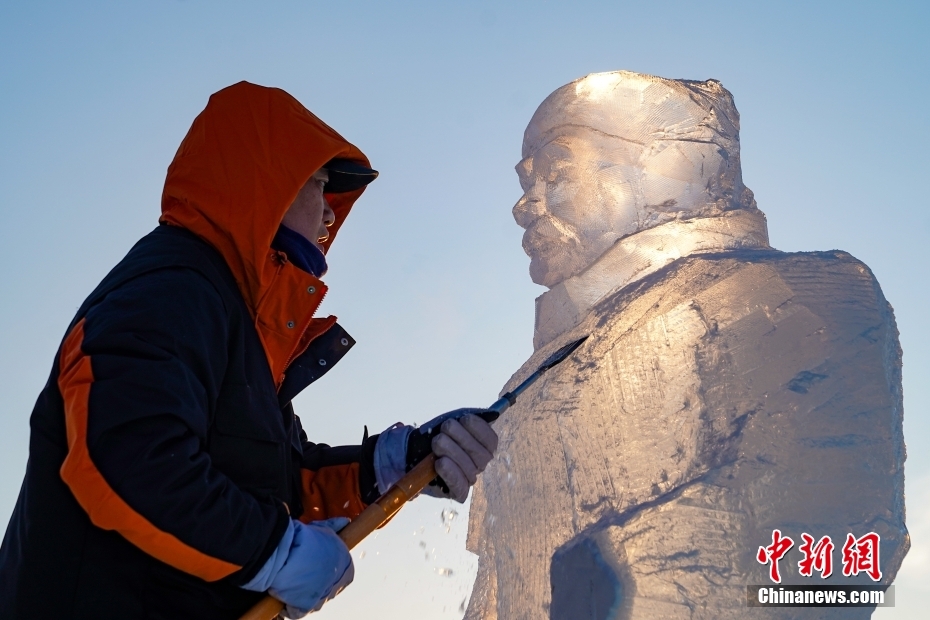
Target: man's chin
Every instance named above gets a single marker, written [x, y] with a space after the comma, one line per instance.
[545, 273]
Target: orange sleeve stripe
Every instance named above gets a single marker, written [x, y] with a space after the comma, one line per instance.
[331, 492]
[105, 508]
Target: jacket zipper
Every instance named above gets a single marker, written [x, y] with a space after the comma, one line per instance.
[298, 350]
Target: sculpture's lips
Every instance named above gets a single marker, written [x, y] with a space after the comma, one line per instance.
[544, 238]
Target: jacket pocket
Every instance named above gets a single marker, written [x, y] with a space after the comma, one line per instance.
[248, 442]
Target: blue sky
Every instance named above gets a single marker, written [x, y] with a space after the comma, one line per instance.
[428, 274]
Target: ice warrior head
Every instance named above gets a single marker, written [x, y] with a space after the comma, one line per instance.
[613, 154]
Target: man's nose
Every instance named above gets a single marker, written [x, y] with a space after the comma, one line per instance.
[329, 217]
[531, 205]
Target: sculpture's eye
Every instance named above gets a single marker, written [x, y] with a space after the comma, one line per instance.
[557, 175]
[558, 171]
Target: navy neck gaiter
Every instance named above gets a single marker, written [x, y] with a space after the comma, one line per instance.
[300, 251]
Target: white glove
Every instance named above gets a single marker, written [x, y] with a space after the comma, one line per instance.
[310, 566]
[462, 441]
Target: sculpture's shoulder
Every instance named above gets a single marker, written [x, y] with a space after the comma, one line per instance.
[826, 282]
[739, 292]
[805, 270]
[831, 284]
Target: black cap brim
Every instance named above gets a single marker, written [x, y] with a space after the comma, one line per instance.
[346, 175]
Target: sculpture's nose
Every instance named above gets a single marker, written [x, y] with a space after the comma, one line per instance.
[531, 205]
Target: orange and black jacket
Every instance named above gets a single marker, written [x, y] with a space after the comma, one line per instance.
[165, 456]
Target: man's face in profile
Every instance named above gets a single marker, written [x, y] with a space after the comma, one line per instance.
[583, 190]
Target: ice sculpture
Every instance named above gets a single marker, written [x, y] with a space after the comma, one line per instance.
[727, 389]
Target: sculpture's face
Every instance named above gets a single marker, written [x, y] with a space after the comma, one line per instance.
[578, 198]
[583, 190]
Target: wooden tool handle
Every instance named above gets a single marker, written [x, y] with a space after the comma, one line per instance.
[373, 517]
[266, 609]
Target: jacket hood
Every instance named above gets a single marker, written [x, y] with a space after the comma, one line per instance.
[234, 176]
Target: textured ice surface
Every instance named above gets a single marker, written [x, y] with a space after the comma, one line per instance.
[726, 389]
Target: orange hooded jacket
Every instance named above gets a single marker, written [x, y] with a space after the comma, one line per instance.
[165, 458]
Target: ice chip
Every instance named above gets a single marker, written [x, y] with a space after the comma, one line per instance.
[448, 515]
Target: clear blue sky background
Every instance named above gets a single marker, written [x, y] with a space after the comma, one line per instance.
[428, 274]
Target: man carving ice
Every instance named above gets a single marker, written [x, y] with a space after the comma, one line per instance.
[727, 389]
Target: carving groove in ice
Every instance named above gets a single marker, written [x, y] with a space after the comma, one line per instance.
[726, 389]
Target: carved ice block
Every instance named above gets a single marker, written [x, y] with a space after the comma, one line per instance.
[727, 389]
